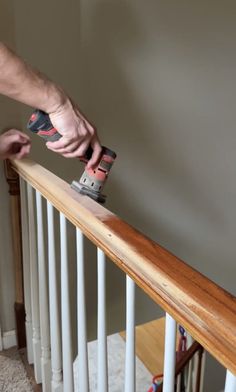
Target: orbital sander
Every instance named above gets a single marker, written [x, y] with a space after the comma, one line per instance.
[92, 180]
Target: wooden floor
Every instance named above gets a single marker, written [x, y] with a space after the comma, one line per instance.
[150, 338]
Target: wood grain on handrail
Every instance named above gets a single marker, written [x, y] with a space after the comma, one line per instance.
[207, 311]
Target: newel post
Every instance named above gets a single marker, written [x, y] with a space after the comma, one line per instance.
[14, 191]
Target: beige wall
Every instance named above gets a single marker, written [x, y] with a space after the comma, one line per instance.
[158, 80]
[9, 117]
[160, 85]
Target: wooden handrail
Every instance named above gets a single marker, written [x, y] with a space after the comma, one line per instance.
[206, 311]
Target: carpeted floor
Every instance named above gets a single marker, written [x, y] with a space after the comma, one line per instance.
[13, 377]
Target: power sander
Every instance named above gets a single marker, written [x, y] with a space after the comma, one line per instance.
[93, 180]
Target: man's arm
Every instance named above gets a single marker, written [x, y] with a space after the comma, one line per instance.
[24, 84]
[20, 82]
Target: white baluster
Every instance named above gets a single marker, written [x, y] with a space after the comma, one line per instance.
[83, 379]
[203, 367]
[65, 310]
[34, 288]
[190, 377]
[230, 383]
[130, 336]
[178, 383]
[55, 333]
[43, 299]
[26, 271]
[196, 365]
[190, 366]
[102, 334]
[169, 357]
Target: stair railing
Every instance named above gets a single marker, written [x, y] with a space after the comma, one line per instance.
[203, 308]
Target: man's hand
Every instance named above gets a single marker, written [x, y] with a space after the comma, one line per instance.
[14, 144]
[77, 134]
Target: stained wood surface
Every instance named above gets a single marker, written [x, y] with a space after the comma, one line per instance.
[207, 311]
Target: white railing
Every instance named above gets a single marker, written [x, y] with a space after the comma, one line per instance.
[34, 285]
[55, 331]
[83, 376]
[48, 320]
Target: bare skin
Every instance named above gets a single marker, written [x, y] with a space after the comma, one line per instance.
[21, 82]
[14, 145]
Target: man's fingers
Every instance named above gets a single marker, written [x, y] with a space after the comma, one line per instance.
[78, 152]
[77, 132]
[72, 150]
[20, 151]
[25, 150]
[96, 154]
[59, 144]
[65, 145]
[17, 136]
[14, 144]
[63, 149]
[69, 144]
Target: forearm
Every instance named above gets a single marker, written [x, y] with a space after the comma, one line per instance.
[24, 84]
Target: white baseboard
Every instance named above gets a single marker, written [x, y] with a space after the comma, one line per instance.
[9, 339]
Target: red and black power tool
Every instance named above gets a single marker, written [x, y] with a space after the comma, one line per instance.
[93, 180]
